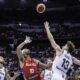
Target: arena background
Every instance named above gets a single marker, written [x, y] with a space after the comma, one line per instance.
[19, 18]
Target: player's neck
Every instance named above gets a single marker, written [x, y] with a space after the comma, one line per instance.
[28, 58]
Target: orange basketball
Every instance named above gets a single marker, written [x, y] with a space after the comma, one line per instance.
[40, 8]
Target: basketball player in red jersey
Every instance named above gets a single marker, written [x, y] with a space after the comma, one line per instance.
[29, 65]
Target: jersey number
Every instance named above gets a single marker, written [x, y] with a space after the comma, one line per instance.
[65, 64]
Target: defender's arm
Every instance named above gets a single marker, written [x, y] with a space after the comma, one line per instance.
[76, 61]
[51, 38]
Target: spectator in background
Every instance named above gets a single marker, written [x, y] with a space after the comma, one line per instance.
[4, 72]
[47, 73]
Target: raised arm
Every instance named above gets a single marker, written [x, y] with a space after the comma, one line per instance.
[16, 74]
[19, 48]
[50, 37]
[76, 61]
[8, 77]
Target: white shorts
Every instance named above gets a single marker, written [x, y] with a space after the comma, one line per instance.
[57, 77]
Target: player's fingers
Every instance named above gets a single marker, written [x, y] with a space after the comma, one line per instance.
[27, 38]
[30, 40]
[45, 22]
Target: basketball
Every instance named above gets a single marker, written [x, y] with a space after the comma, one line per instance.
[40, 8]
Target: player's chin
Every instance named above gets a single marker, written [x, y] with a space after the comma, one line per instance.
[25, 56]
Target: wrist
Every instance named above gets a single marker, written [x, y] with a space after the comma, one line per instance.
[25, 42]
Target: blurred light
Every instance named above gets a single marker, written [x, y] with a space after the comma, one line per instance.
[20, 24]
[44, 0]
[23, 1]
[1, 1]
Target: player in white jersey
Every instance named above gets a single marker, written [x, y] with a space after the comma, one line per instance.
[4, 72]
[63, 59]
[47, 73]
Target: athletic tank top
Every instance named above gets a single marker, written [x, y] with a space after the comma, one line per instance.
[47, 74]
[2, 73]
[62, 64]
[31, 70]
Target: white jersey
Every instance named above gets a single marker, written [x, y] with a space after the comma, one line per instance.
[62, 64]
[47, 74]
[2, 73]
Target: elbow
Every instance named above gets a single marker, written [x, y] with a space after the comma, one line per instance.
[18, 48]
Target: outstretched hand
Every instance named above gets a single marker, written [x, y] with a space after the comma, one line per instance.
[46, 24]
[27, 40]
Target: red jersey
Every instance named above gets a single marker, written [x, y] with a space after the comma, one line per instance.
[31, 70]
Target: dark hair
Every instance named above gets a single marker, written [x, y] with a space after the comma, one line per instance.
[71, 46]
